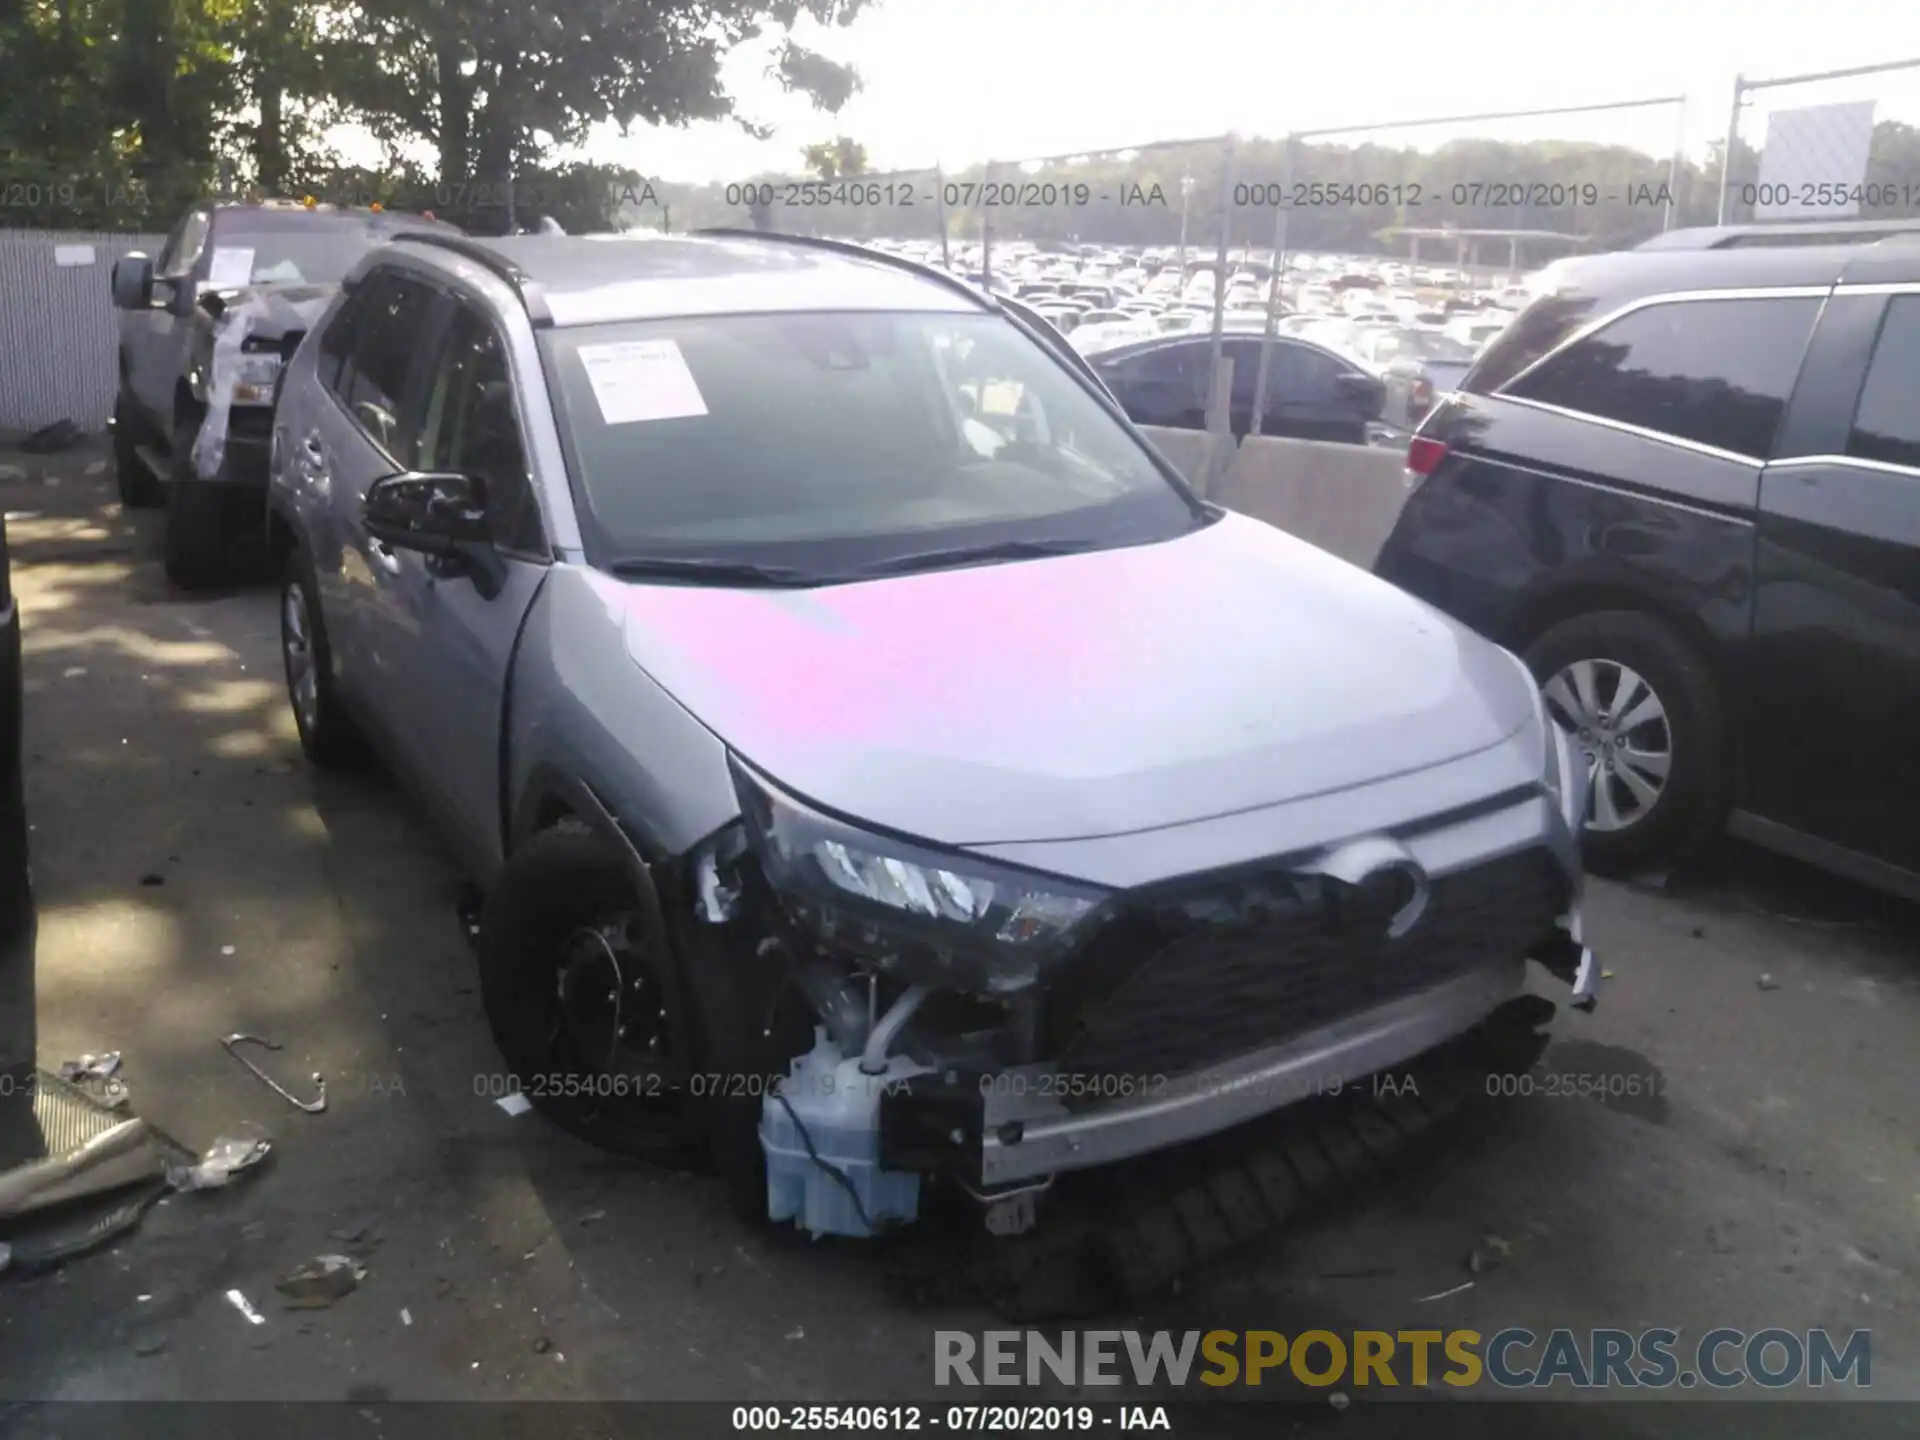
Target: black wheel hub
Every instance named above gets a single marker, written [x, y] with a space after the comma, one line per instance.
[610, 1005]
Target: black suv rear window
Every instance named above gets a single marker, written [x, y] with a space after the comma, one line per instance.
[1716, 372]
[1534, 332]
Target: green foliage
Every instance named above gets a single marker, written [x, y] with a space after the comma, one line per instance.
[137, 107]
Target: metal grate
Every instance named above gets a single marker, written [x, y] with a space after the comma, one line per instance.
[1199, 976]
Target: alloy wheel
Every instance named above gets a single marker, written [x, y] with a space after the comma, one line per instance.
[1620, 724]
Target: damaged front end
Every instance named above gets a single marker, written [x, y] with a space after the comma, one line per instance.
[969, 1022]
[236, 379]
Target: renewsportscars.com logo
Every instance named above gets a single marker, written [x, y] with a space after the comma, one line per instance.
[1511, 1359]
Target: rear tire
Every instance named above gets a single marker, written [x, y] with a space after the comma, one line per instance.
[328, 736]
[196, 544]
[1678, 747]
[139, 487]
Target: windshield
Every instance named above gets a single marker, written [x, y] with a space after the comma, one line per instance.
[294, 249]
[829, 441]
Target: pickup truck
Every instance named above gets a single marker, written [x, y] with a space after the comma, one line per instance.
[204, 332]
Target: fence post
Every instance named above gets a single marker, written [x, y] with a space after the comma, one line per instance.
[1673, 166]
[1218, 404]
[940, 203]
[1274, 287]
[1726, 159]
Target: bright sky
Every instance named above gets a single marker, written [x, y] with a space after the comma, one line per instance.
[959, 81]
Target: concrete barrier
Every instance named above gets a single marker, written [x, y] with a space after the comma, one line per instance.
[1187, 450]
[1343, 498]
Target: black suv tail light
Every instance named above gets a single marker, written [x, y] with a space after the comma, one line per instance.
[1424, 456]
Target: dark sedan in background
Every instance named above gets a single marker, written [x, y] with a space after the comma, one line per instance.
[1312, 393]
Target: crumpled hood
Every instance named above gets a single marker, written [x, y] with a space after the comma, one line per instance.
[1083, 695]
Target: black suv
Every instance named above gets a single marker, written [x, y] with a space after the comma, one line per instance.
[1685, 485]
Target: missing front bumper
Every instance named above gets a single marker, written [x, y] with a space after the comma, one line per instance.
[1015, 1126]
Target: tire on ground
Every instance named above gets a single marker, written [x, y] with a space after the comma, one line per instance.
[139, 488]
[196, 543]
[558, 880]
[1693, 803]
[333, 740]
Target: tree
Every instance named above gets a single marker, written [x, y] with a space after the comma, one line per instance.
[841, 158]
[490, 84]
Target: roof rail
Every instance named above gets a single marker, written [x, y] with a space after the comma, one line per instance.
[861, 252]
[489, 259]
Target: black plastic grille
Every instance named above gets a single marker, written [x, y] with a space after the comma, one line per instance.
[1197, 976]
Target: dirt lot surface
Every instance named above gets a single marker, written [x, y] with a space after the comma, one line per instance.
[196, 878]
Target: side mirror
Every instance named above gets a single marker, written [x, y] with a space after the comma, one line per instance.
[133, 282]
[429, 512]
[1364, 392]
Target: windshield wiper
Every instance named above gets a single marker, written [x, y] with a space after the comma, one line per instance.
[714, 571]
[974, 555]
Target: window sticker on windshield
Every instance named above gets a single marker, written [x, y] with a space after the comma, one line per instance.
[641, 380]
[232, 267]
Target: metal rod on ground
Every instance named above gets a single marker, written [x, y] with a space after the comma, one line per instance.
[1274, 288]
[1217, 348]
[1726, 156]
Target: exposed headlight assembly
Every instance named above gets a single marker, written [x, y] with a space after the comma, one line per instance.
[931, 917]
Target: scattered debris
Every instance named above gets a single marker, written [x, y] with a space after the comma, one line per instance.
[91, 1067]
[1443, 1294]
[321, 1281]
[121, 1155]
[241, 1303]
[228, 1156]
[1767, 982]
[1489, 1254]
[542, 1345]
[73, 672]
[406, 1316]
[228, 950]
[515, 1104]
[1339, 1400]
[593, 1217]
[152, 878]
[1699, 932]
[364, 1232]
[798, 1332]
[96, 467]
[312, 1107]
[1606, 974]
[6, 1255]
[150, 1344]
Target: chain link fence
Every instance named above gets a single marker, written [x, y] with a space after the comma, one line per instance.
[1825, 146]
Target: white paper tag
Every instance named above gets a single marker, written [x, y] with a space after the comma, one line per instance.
[73, 255]
[232, 267]
[641, 380]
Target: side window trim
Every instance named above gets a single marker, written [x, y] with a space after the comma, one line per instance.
[1896, 303]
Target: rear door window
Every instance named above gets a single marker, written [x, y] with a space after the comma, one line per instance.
[1886, 426]
[1714, 372]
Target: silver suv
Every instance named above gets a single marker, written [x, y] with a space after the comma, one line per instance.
[880, 765]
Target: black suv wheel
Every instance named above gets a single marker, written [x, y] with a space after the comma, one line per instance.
[1645, 712]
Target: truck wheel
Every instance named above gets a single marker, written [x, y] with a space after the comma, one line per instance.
[328, 735]
[577, 1003]
[1645, 712]
[139, 487]
[196, 543]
